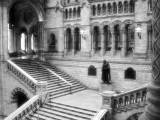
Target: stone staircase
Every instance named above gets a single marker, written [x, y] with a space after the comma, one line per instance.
[55, 87]
[58, 111]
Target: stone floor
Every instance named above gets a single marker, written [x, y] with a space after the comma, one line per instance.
[88, 99]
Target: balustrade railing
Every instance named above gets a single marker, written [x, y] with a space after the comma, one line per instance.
[28, 108]
[25, 77]
[130, 100]
[125, 101]
[101, 115]
[37, 87]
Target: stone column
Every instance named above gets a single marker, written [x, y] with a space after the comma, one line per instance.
[113, 43]
[73, 42]
[102, 43]
[149, 41]
[152, 111]
[124, 44]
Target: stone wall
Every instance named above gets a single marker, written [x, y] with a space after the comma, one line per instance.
[79, 70]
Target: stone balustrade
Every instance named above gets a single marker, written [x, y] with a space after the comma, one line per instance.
[28, 108]
[125, 101]
[37, 87]
[101, 115]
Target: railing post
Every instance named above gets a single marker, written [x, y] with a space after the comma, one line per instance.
[107, 101]
[41, 89]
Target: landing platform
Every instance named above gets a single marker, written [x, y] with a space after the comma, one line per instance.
[88, 99]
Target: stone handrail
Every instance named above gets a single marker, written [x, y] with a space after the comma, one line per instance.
[28, 108]
[125, 101]
[39, 87]
[30, 81]
[101, 115]
[59, 77]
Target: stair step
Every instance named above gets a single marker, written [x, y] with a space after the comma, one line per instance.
[67, 108]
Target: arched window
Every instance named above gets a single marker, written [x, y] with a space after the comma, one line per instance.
[132, 5]
[68, 39]
[129, 38]
[74, 13]
[68, 1]
[78, 12]
[107, 38]
[70, 13]
[109, 8]
[94, 10]
[66, 14]
[130, 73]
[96, 39]
[23, 41]
[104, 9]
[114, 8]
[118, 42]
[92, 71]
[99, 9]
[52, 44]
[126, 6]
[77, 39]
[120, 7]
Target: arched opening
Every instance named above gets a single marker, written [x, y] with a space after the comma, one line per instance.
[23, 41]
[150, 5]
[94, 10]
[21, 20]
[132, 5]
[120, 7]
[77, 39]
[129, 38]
[107, 38]
[19, 98]
[79, 12]
[99, 9]
[74, 13]
[70, 13]
[68, 40]
[109, 8]
[126, 6]
[92, 71]
[130, 73]
[66, 13]
[104, 9]
[114, 8]
[96, 39]
[52, 44]
[118, 42]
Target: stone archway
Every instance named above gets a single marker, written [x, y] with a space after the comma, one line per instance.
[134, 116]
[19, 97]
[31, 15]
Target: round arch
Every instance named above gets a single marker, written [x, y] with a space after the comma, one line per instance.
[34, 3]
[134, 116]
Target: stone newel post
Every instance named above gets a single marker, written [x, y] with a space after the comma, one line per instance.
[107, 101]
[152, 111]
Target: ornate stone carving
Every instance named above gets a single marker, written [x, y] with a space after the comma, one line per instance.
[58, 7]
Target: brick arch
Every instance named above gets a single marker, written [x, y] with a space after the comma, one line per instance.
[117, 22]
[77, 25]
[18, 90]
[127, 22]
[96, 24]
[68, 26]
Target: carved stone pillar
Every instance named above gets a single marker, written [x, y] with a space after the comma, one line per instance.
[102, 44]
[152, 111]
[113, 43]
[124, 44]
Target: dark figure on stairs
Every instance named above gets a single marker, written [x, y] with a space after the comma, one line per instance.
[106, 77]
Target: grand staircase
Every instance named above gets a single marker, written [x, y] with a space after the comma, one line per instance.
[56, 88]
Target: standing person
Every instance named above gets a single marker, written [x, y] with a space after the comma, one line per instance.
[106, 72]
